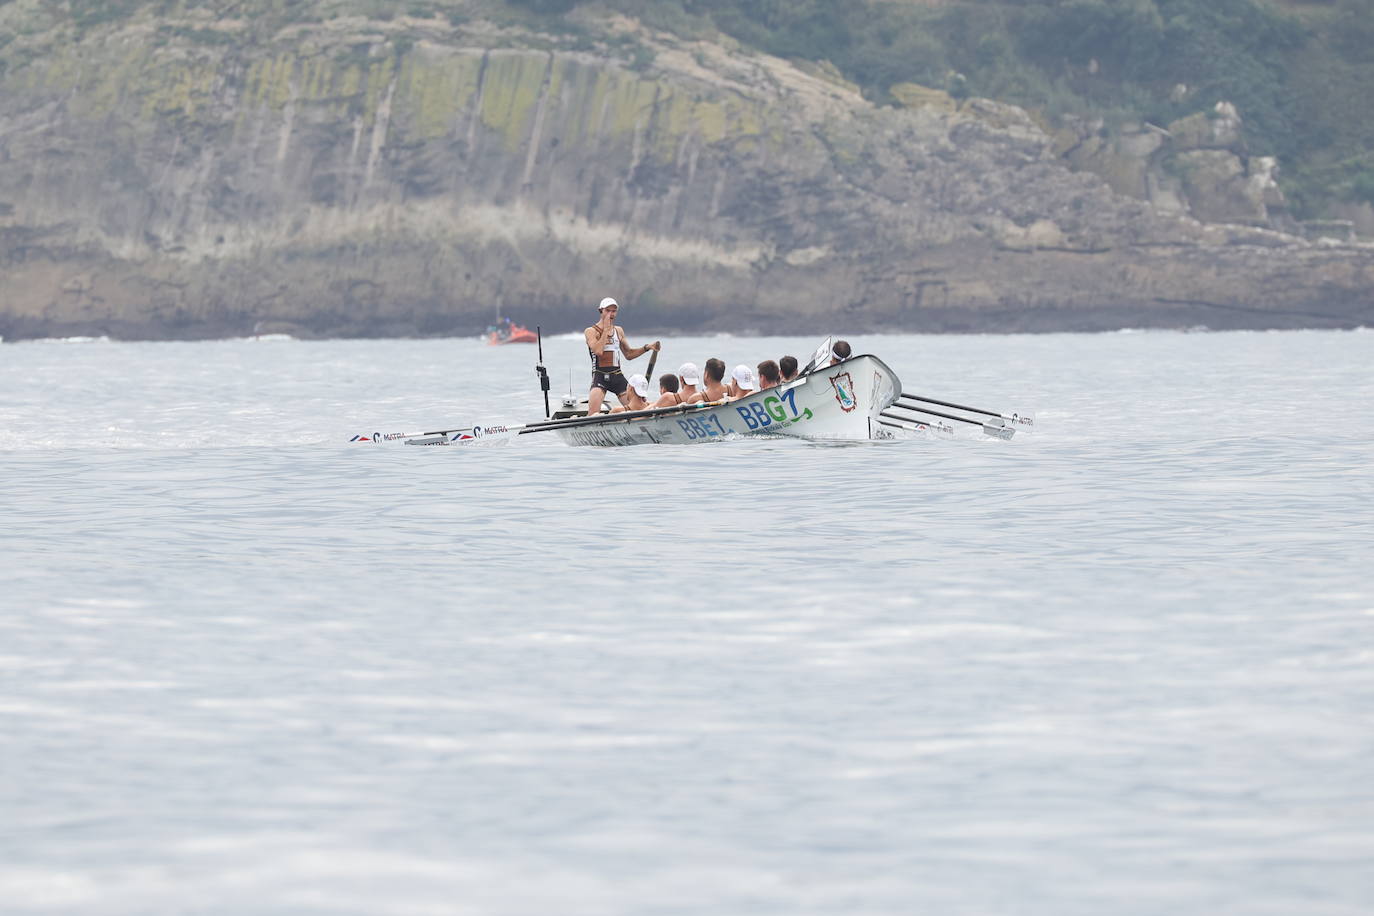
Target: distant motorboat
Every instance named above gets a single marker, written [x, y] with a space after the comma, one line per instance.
[510, 332]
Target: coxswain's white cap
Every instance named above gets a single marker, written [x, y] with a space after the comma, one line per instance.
[744, 377]
[690, 373]
[607, 303]
[640, 384]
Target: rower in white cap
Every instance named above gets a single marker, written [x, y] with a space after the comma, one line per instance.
[690, 377]
[636, 396]
[607, 344]
[742, 383]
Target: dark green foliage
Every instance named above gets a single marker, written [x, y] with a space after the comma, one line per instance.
[1353, 31]
[813, 29]
[1299, 73]
[667, 16]
[1234, 50]
[1132, 53]
[1120, 60]
[1362, 188]
[87, 14]
[198, 36]
[545, 7]
[1126, 37]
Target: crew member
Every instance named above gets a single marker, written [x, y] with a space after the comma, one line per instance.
[839, 351]
[636, 397]
[770, 376]
[742, 383]
[714, 389]
[788, 366]
[667, 391]
[607, 345]
[689, 377]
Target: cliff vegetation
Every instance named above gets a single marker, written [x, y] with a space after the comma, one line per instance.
[1297, 72]
[189, 168]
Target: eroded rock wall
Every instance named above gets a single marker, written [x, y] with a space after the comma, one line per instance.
[415, 177]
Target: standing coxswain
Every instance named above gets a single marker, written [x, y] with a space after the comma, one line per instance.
[607, 345]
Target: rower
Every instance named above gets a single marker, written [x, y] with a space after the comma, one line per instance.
[667, 391]
[636, 397]
[689, 377]
[788, 367]
[839, 351]
[714, 389]
[606, 343]
[742, 383]
[770, 376]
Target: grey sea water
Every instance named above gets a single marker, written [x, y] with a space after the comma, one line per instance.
[1124, 665]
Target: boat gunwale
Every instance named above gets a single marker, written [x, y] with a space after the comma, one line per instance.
[656, 412]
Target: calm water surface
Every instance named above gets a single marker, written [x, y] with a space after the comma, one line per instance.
[1124, 665]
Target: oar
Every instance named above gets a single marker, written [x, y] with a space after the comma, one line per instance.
[464, 435]
[919, 426]
[991, 427]
[1018, 419]
[459, 434]
[649, 376]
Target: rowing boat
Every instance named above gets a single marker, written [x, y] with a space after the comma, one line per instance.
[859, 399]
[842, 403]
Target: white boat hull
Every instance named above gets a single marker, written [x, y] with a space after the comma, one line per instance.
[840, 403]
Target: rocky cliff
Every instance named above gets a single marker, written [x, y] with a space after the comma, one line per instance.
[205, 176]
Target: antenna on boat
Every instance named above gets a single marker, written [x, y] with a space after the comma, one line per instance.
[540, 370]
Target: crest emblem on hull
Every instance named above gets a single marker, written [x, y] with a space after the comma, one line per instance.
[844, 391]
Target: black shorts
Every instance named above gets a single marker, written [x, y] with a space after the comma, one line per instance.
[612, 380]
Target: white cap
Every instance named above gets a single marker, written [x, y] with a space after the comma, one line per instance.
[690, 373]
[744, 377]
[640, 384]
[607, 303]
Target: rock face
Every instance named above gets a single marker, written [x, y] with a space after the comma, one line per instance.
[1197, 167]
[351, 177]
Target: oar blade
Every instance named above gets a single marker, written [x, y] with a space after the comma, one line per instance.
[997, 430]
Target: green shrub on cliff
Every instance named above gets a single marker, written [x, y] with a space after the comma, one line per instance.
[1120, 60]
[1362, 188]
[1298, 72]
[546, 7]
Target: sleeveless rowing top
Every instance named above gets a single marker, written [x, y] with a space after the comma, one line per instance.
[613, 347]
